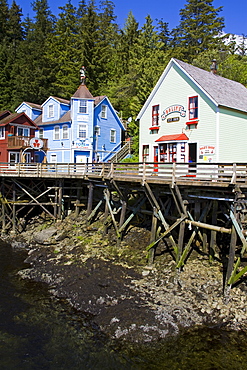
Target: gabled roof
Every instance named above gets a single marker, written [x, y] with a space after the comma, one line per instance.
[221, 91]
[4, 113]
[33, 105]
[98, 99]
[59, 100]
[64, 119]
[82, 93]
[13, 117]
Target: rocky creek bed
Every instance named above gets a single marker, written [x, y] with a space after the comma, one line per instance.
[123, 296]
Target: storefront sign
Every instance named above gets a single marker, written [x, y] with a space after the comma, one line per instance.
[207, 150]
[173, 119]
[173, 109]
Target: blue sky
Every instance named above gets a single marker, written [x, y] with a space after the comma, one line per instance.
[234, 11]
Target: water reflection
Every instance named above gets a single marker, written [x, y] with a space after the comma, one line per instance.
[37, 332]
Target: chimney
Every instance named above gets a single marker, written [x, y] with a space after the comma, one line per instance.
[214, 67]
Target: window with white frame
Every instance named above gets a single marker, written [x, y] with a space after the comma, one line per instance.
[65, 132]
[56, 133]
[50, 110]
[2, 132]
[83, 106]
[113, 136]
[41, 133]
[23, 131]
[103, 111]
[82, 131]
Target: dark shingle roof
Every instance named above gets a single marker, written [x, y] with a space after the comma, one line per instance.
[61, 100]
[82, 93]
[98, 99]
[223, 91]
[33, 105]
[65, 118]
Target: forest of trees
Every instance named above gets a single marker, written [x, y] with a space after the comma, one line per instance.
[42, 56]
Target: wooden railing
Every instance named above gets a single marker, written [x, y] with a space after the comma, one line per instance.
[198, 173]
[23, 142]
[122, 153]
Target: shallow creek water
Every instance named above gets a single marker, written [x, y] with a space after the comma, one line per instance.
[40, 332]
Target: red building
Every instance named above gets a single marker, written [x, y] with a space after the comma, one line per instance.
[16, 130]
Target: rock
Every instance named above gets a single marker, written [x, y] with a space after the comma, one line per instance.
[42, 237]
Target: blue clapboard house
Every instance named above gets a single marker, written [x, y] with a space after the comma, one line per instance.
[83, 129]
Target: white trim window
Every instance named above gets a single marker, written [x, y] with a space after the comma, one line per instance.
[82, 131]
[2, 132]
[23, 131]
[103, 111]
[83, 106]
[41, 133]
[113, 135]
[50, 110]
[56, 133]
[65, 133]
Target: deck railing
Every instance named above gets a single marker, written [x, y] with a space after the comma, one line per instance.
[23, 142]
[224, 173]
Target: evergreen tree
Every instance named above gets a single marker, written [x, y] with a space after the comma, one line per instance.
[34, 71]
[89, 35]
[199, 28]
[164, 34]
[105, 49]
[122, 86]
[15, 32]
[64, 47]
[4, 14]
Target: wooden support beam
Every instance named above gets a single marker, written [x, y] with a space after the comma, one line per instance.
[178, 200]
[155, 204]
[77, 207]
[151, 251]
[197, 225]
[14, 210]
[107, 199]
[90, 199]
[106, 214]
[213, 232]
[239, 231]
[122, 216]
[180, 240]
[204, 233]
[168, 231]
[60, 200]
[40, 204]
[93, 213]
[231, 256]
[135, 210]
[56, 203]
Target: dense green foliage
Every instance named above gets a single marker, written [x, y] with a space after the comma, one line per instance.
[42, 56]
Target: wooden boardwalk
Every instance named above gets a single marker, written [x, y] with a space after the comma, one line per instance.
[211, 174]
[188, 207]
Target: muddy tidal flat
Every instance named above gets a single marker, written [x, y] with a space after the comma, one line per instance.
[124, 297]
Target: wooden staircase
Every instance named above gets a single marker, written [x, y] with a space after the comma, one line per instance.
[122, 153]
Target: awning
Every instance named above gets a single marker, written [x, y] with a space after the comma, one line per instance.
[176, 137]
